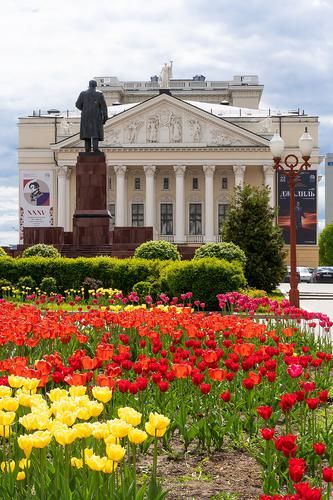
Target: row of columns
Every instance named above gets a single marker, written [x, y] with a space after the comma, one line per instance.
[239, 172]
[64, 174]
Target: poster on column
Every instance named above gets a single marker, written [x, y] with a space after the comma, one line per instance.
[305, 207]
[36, 200]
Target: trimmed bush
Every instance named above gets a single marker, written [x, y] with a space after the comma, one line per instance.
[162, 250]
[205, 278]
[26, 282]
[70, 273]
[48, 285]
[41, 250]
[223, 250]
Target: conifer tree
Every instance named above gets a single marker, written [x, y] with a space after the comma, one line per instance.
[250, 225]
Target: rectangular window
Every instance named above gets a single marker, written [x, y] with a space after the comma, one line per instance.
[110, 182]
[166, 183]
[195, 183]
[166, 218]
[224, 182]
[137, 183]
[137, 215]
[195, 218]
[112, 210]
[223, 210]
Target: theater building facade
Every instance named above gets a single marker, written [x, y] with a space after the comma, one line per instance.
[172, 163]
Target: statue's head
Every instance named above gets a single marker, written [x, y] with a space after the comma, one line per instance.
[92, 84]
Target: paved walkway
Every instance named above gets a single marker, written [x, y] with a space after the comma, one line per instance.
[314, 297]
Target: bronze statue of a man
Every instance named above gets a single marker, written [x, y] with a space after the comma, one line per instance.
[94, 114]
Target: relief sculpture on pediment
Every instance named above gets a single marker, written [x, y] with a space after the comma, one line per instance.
[133, 130]
[152, 131]
[222, 138]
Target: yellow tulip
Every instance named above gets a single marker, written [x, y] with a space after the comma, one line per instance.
[66, 417]
[158, 421]
[31, 383]
[8, 466]
[20, 475]
[77, 462]
[136, 436]
[65, 436]
[5, 391]
[153, 431]
[77, 390]
[130, 415]
[25, 443]
[119, 428]
[7, 417]
[100, 430]
[41, 439]
[29, 421]
[110, 439]
[57, 394]
[24, 399]
[24, 463]
[88, 452]
[5, 431]
[83, 430]
[15, 381]
[95, 462]
[115, 452]
[109, 467]
[95, 408]
[83, 413]
[9, 404]
[103, 394]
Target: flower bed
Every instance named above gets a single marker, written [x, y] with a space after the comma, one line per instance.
[218, 378]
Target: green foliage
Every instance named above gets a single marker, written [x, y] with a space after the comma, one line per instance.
[205, 278]
[162, 250]
[326, 246]
[250, 225]
[224, 250]
[253, 293]
[41, 250]
[3, 252]
[48, 285]
[26, 282]
[70, 273]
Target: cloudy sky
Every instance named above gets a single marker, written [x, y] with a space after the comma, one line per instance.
[50, 49]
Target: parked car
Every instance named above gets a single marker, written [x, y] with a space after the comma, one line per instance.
[305, 274]
[323, 275]
[287, 276]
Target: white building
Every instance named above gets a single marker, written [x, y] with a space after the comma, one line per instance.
[172, 162]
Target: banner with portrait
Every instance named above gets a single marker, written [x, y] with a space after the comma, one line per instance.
[305, 207]
[36, 200]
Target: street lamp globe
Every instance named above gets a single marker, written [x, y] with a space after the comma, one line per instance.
[276, 145]
[305, 144]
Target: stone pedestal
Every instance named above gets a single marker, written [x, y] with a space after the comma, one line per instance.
[91, 221]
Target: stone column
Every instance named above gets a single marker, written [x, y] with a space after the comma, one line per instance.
[269, 176]
[239, 171]
[150, 195]
[180, 203]
[62, 173]
[120, 195]
[209, 202]
[68, 199]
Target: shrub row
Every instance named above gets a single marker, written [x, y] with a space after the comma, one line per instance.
[204, 277]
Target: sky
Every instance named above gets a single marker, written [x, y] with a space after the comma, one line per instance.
[50, 49]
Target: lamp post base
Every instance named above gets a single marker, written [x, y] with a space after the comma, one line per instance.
[294, 297]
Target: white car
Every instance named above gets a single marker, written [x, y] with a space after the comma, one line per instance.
[305, 274]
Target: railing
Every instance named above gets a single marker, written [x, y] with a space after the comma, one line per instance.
[194, 238]
[166, 237]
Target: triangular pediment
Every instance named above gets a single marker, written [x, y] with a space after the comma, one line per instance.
[164, 121]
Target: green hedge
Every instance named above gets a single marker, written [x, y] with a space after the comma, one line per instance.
[205, 278]
[70, 273]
